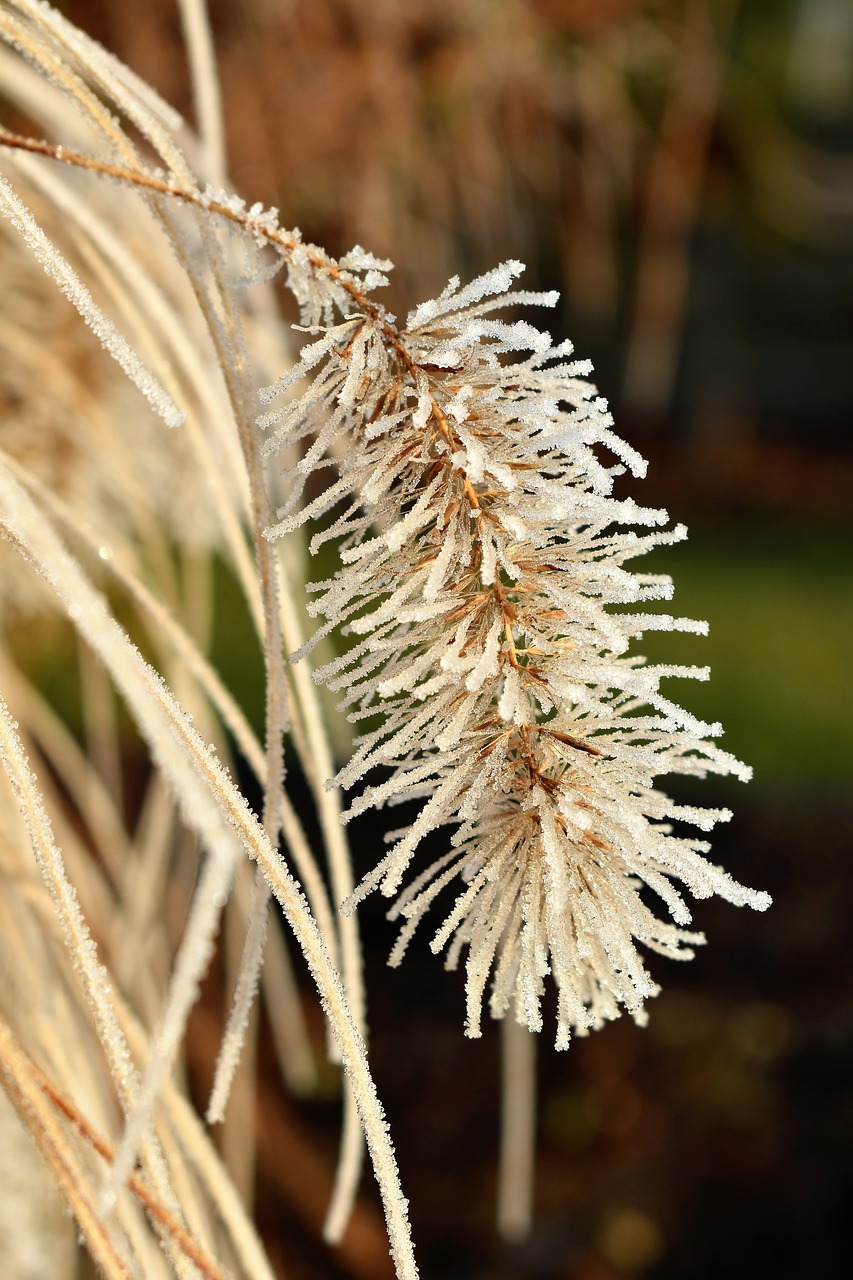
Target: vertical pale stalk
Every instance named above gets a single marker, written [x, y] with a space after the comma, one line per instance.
[347, 1174]
[518, 1129]
[320, 767]
[207, 96]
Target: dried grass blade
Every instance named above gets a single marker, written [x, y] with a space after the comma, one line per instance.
[211, 805]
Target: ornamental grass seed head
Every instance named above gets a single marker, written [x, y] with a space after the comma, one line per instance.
[484, 579]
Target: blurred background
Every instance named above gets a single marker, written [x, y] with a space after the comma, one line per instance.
[683, 172]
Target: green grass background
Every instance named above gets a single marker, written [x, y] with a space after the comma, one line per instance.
[778, 596]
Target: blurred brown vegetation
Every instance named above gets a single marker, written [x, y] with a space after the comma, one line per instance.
[675, 167]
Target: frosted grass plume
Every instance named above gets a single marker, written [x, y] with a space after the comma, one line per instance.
[484, 580]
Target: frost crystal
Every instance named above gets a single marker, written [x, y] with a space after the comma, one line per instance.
[484, 574]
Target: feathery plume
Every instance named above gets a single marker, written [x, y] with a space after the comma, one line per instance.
[484, 578]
